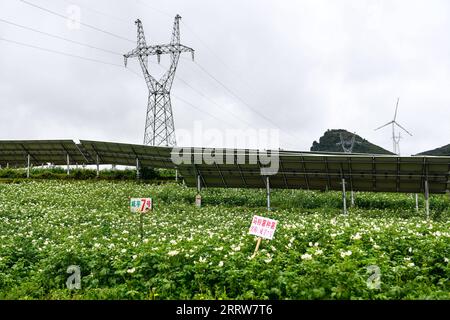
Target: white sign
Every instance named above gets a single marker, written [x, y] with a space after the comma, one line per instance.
[141, 205]
[263, 227]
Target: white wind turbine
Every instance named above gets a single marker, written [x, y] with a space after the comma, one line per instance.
[395, 139]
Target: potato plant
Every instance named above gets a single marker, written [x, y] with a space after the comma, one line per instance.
[383, 249]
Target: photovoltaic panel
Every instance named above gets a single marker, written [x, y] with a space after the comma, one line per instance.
[242, 168]
[297, 170]
[15, 153]
[126, 154]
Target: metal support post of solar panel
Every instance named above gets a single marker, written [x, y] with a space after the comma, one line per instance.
[299, 170]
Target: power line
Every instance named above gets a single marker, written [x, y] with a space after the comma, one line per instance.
[240, 99]
[153, 8]
[60, 52]
[116, 53]
[231, 71]
[104, 50]
[185, 101]
[210, 100]
[120, 37]
[106, 63]
[103, 62]
[237, 117]
[205, 112]
[201, 68]
[134, 72]
[124, 21]
[81, 23]
[59, 37]
[216, 55]
[206, 97]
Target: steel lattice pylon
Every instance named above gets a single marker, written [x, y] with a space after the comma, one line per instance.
[159, 125]
[347, 145]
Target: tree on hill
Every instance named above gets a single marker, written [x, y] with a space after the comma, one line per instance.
[331, 142]
[442, 151]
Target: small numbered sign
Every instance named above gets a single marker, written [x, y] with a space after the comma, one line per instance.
[141, 205]
[263, 227]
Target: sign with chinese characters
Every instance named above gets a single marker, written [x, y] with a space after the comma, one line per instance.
[263, 227]
[141, 205]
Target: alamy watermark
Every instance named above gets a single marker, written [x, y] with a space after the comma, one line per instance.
[74, 280]
[374, 281]
[250, 146]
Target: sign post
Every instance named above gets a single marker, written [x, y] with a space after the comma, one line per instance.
[262, 228]
[258, 243]
[417, 202]
[141, 206]
[198, 197]
[28, 166]
[198, 201]
[141, 226]
[427, 199]
[138, 173]
[344, 197]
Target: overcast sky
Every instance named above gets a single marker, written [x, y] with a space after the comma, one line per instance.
[308, 66]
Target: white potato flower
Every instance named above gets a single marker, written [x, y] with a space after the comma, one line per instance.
[306, 256]
[346, 253]
[357, 236]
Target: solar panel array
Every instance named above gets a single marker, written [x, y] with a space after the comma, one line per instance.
[298, 170]
[242, 168]
[126, 154]
[15, 153]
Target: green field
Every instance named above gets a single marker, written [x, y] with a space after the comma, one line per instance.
[203, 253]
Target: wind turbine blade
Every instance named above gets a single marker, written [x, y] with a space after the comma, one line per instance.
[396, 108]
[384, 125]
[403, 128]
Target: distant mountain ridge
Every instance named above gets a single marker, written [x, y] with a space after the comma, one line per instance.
[442, 151]
[330, 142]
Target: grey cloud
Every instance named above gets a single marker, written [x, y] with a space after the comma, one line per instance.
[306, 65]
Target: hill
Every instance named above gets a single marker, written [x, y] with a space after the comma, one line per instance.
[331, 139]
[442, 151]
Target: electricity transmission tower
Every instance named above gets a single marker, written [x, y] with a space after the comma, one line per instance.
[347, 146]
[159, 125]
